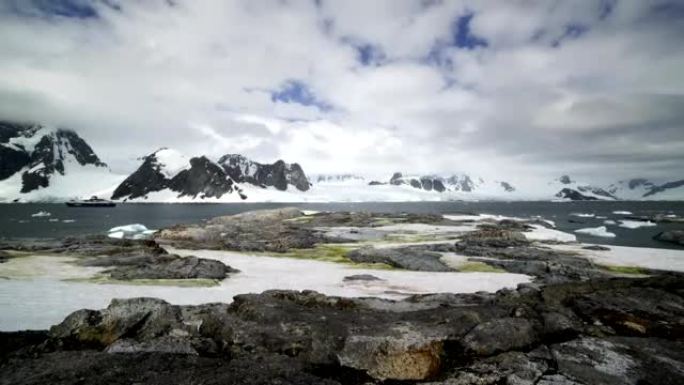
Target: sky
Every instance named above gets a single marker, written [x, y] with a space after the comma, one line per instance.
[592, 88]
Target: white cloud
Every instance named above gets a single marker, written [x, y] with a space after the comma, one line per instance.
[560, 87]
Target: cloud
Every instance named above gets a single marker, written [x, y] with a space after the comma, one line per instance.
[526, 86]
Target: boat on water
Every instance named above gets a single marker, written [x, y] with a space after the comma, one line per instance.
[91, 202]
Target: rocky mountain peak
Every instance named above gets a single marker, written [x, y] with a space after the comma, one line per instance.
[41, 152]
[279, 174]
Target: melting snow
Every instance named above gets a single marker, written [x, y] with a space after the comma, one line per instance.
[37, 302]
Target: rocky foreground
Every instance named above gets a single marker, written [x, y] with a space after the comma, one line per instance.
[577, 322]
[605, 331]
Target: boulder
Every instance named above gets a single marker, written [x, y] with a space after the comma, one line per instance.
[500, 335]
[401, 354]
[671, 236]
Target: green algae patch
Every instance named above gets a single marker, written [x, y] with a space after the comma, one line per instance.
[629, 270]
[329, 253]
[302, 219]
[478, 267]
[190, 282]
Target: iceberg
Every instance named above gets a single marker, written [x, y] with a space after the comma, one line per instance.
[636, 224]
[600, 231]
[132, 231]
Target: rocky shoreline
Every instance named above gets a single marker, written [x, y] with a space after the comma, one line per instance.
[576, 322]
[603, 331]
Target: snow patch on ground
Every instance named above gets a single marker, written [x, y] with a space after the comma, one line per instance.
[39, 302]
[600, 231]
[645, 257]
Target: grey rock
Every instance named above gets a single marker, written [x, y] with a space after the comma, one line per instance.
[596, 248]
[362, 277]
[404, 258]
[500, 335]
[168, 345]
[671, 236]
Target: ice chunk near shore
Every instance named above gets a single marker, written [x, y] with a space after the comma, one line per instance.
[541, 233]
[600, 231]
[622, 212]
[583, 215]
[133, 231]
[635, 224]
[40, 214]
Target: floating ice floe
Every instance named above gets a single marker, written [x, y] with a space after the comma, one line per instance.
[68, 220]
[622, 212]
[40, 214]
[609, 222]
[583, 215]
[600, 231]
[541, 233]
[635, 224]
[53, 220]
[133, 231]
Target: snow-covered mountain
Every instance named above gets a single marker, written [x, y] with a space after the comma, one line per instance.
[463, 183]
[46, 163]
[168, 171]
[42, 163]
[645, 189]
[279, 174]
[338, 179]
[167, 175]
[569, 189]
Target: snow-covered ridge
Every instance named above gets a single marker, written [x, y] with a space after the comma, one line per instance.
[170, 162]
[43, 163]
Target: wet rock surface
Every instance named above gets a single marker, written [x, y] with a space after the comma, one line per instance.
[604, 331]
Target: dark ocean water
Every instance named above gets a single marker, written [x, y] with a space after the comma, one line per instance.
[16, 220]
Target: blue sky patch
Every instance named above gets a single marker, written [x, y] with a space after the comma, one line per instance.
[369, 54]
[78, 9]
[463, 37]
[296, 91]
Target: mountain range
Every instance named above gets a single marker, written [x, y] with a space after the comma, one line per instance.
[43, 163]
